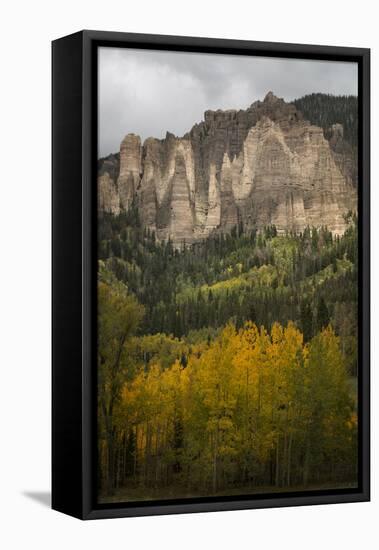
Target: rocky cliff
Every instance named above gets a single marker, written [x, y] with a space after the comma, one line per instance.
[261, 166]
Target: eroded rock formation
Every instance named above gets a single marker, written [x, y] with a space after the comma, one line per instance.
[261, 166]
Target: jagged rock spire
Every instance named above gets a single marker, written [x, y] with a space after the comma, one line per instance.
[270, 98]
[263, 165]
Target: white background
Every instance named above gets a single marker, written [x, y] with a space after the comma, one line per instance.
[27, 27]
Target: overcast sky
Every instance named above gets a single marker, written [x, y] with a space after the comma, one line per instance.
[150, 92]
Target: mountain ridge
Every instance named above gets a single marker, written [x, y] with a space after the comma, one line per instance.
[265, 165]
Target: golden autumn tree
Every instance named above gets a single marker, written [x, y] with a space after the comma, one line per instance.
[118, 317]
[250, 408]
[329, 417]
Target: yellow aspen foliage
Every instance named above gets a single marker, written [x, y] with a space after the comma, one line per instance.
[248, 408]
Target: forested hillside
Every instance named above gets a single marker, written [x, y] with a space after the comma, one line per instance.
[228, 365]
[324, 110]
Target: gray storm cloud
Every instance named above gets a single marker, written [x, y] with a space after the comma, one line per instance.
[149, 92]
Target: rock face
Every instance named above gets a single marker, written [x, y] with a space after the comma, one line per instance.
[130, 169]
[262, 166]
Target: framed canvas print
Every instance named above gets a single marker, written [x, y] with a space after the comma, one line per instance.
[210, 274]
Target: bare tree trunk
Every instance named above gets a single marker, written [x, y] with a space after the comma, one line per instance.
[283, 476]
[214, 479]
[306, 463]
[111, 464]
[289, 459]
[285, 453]
[215, 461]
[277, 478]
[135, 454]
[147, 454]
[157, 461]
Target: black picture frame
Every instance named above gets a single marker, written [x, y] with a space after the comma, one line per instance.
[74, 205]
